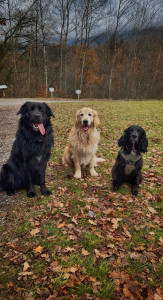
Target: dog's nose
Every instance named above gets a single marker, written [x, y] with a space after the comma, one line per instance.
[134, 136]
[85, 122]
[37, 116]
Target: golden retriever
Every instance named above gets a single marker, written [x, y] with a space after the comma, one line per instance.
[83, 142]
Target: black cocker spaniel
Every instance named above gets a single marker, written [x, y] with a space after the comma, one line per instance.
[129, 162]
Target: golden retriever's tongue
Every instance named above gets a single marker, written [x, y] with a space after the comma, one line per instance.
[85, 128]
[41, 128]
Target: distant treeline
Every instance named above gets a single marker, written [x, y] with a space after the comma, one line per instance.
[123, 61]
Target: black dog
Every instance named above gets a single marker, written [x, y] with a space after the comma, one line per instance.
[129, 161]
[30, 151]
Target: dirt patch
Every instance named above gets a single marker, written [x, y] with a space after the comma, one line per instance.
[8, 128]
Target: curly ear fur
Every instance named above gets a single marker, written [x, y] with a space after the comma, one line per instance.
[96, 120]
[123, 139]
[143, 143]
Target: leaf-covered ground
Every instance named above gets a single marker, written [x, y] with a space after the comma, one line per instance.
[84, 241]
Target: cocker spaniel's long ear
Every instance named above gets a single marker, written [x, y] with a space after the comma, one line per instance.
[23, 108]
[96, 120]
[143, 143]
[123, 139]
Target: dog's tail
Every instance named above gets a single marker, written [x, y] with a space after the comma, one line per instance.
[99, 159]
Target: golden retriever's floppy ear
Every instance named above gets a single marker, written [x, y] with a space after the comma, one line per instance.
[96, 120]
[77, 117]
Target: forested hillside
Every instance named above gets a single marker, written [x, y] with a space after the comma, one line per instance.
[106, 48]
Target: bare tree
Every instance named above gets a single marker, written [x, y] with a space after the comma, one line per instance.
[122, 19]
[89, 13]
[44, 46]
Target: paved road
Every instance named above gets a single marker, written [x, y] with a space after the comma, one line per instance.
[20, 101]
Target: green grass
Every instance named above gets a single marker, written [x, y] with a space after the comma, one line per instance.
[95, 257]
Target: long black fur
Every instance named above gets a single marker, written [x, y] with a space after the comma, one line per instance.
[30, 152]
[138, 135]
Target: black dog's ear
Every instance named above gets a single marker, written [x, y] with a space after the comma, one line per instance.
[143, 143]
[123, 139]
[48, 110]
[23, 108]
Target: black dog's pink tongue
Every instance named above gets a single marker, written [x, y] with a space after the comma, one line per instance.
[41, 128]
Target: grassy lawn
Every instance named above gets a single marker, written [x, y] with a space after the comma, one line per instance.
[84, 241]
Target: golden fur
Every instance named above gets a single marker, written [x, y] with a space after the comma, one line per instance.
[83, 142]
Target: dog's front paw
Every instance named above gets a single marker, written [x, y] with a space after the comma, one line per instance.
[46, 192]
[94, 173]
[77, 175]
[115, 188]
[134, 192]
[31, 194]
[10, 192]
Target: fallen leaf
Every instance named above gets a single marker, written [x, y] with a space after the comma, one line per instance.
[66, 215]
[92, 222]
[161, 240]
[26, 266]
[115, 223]
[9, 284]
[127, 293]
[69, 249]
[38, 249]
[66, 276]
[85, 252]
[73, 281]
[126, 231]
[151, 209]
[34, 231]
[134, 255]
[72, 237]
[72, 269]
[25, 273]
[74, 221]
[157, 297]
[57, 269]
[100, 254]
[61, 225]
[53, 265]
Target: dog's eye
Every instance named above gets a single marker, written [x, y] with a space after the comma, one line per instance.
[32, 107]
[40, 108]
[81, 115]
[89, 114]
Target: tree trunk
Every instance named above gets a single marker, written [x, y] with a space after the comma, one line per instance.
[115, 49]
[13, 49]
[44, 50]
